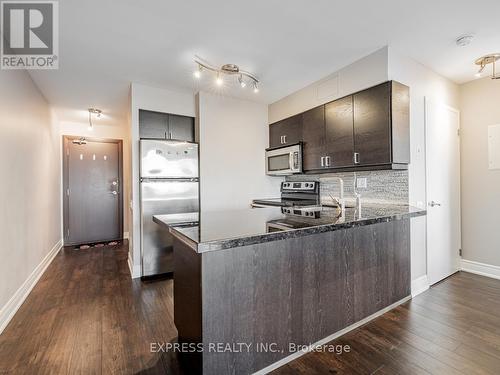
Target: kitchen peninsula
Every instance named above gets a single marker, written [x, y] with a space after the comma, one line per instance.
[236, 280]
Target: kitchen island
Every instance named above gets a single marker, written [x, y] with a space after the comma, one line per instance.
[254, 285]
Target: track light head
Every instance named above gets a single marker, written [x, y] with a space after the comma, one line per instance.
[197, 72]
[242, 82]
[219, 81]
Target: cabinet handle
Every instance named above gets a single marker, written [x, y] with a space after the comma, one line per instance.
[327, 161]
[322, 161]
[284, 139]
[356, 158]
[169, 135]
[281, 139]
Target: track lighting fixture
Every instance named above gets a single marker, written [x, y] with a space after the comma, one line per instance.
[244, 77]
[97, 113]
[486, 60]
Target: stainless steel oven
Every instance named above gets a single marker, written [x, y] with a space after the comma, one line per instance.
[284, 160]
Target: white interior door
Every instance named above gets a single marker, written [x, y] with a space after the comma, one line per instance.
[443, 190]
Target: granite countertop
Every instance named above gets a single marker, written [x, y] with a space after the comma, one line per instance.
[217, 230]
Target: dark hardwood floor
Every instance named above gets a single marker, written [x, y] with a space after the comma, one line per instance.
[86, 316]
[454, 328]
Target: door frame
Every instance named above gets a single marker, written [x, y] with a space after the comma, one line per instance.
[65, 182]
[428, 101]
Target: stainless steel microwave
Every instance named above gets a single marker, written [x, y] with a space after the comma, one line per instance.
[284, 160]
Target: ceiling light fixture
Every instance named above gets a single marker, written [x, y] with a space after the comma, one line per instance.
[255, 88]
[492, 58]
[226, 69]
[93, 111]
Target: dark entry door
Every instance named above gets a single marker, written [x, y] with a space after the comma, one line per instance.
[92, 191]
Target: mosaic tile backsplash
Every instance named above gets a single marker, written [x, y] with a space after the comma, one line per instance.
[382, 187]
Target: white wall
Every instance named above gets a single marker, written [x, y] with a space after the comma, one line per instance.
[153, 99]
[480, 187]
[423, 83]
[233, 136]
[361, 74]
[30, 195]
[103, 130]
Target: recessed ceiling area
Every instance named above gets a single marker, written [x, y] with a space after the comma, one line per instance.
[105, 45]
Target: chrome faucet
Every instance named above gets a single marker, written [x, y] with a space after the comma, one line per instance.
[339, 201]
[357, 212]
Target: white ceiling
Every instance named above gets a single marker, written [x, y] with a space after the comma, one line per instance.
[105, 44]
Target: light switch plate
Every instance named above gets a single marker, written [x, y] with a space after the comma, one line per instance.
[361, 182]
[494, 147]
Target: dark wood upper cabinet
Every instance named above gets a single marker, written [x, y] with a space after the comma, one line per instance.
[181, 128]
[339, 134]
[400, 105]
[153, 124]
[366, 130]
[285, 132]
[382, 125]
[372, 125]
[313, 136]
[157, 125]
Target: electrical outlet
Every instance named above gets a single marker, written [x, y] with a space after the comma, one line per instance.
[361, 182]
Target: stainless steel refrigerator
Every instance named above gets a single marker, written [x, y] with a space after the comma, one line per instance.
[169, 185]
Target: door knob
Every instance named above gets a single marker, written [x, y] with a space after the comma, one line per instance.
[432, 204]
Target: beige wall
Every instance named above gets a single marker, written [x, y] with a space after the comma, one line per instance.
[233, 136]
[480, 187]
[103, 130]
[424, 83]
[30, 194]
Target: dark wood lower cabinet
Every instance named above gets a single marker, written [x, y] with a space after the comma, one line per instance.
[296, 291]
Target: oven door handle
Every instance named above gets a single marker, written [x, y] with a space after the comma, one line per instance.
[258, 205]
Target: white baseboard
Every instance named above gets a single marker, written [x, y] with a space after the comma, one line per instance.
[482, 269]
[135, 270]
[419, 285]
[8, 311]
[327, 339]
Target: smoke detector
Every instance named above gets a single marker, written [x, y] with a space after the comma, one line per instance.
[464, 40]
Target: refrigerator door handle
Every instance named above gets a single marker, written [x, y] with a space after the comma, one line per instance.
[163, 179]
